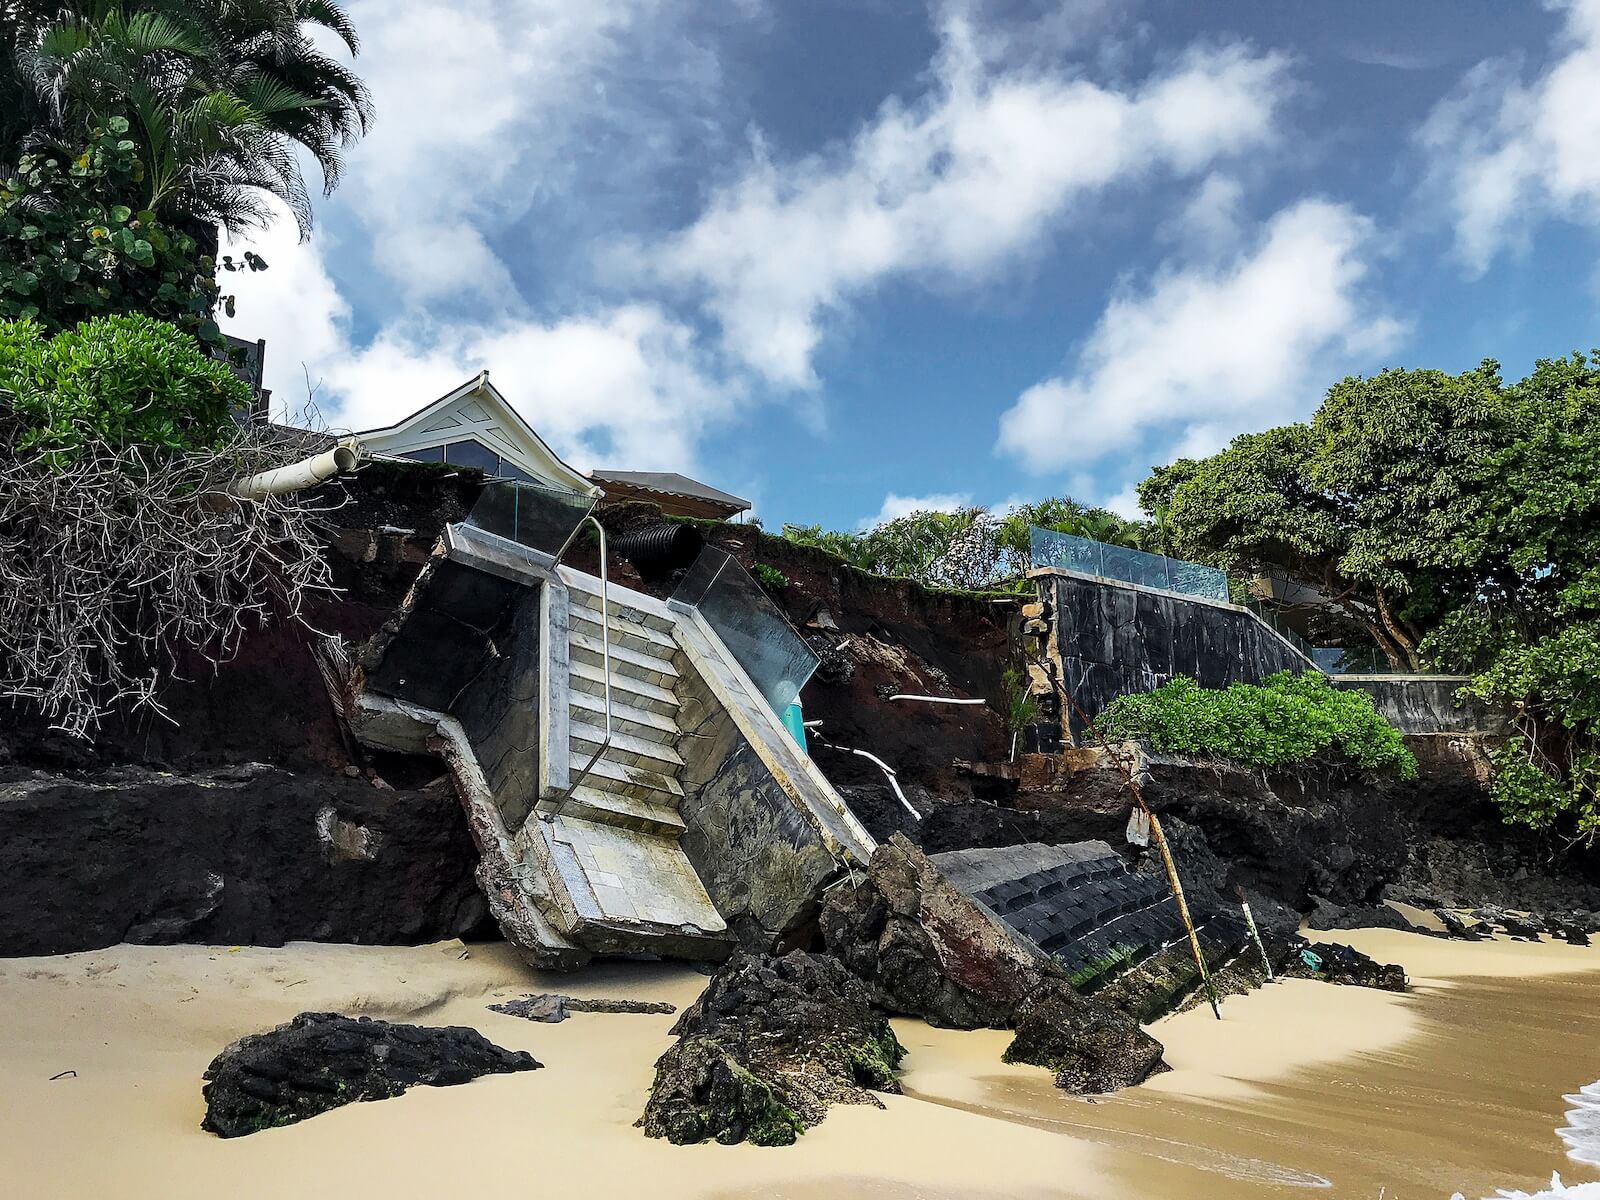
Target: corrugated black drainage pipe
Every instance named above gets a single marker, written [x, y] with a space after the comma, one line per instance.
[658, 550]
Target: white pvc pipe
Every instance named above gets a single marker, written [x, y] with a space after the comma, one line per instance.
[939, 699]
[296, 476]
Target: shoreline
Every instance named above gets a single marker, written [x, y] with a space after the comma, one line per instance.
[1244, 1112]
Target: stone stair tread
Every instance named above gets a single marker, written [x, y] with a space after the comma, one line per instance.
[616, 861]
[625, 684]
[640, 777]
[622, 656]
[598, 805]
[657, 639]
[593, 735]
[662, 727]
[586, 592]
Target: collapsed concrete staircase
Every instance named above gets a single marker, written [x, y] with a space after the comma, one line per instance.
[609, 839]
[701, 814]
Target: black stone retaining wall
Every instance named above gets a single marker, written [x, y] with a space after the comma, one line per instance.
[1423, 704]
[1115, 640]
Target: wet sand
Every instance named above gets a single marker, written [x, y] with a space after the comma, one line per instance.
[1455, 1087]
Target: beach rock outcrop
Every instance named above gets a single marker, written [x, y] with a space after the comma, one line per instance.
[1333, 962]
[768, 1046]
[926, 950]
[551, 1007]
[248, 855]
[322, 1061]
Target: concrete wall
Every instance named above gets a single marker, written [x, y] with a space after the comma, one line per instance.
[1107, 640]
[761, 862]
[469, 647]
[1425, 704]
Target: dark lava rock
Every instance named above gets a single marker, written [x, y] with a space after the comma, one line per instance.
[1337, 963]
[767, 1047]
[1456, 927]
[926, 950]
[322, 1061]
[249, 855]
[1356, 916]
[552, 1008]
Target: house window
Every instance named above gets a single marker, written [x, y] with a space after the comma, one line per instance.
[426, 454]
[472, 454]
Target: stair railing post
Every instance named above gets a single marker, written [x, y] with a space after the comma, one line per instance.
[605, 656]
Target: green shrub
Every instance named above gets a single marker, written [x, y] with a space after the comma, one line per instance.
[120, 381]
[770, 578]
[1288, 719]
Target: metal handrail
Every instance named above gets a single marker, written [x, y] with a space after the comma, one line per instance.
[565, 793]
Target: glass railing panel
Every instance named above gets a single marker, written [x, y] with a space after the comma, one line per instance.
[530, 513]
[1196, 579]
[1047, 548]
[751, 626]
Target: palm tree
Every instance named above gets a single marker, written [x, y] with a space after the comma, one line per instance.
[220, 93]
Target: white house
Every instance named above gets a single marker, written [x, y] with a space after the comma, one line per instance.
[474, 426]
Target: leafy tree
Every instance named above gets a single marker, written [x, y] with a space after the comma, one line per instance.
[1285, 720]
[72, 249]
[1455, 519]
[219, 93]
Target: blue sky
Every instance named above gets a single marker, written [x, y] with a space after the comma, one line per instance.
[852, 257]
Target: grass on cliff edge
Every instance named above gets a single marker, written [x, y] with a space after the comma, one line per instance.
[1288, 719]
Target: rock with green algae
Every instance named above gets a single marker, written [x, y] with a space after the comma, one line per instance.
[770, 1044]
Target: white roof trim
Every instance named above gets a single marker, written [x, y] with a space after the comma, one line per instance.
[504, 431]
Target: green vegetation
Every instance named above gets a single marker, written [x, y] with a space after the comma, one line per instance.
[130, 130]
[115, 381]
[1286, 720]
[770, 577]
[219, 96]
[1452, 521]
[70, 249]
[970, 549]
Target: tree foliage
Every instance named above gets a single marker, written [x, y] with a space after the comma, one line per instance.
[1456, 520]
[71, 249]
[1288, 719]
[220, 95]
[970, 549]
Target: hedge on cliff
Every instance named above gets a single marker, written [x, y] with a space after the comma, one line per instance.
[1287, 719]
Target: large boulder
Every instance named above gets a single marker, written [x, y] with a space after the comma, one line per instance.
[767, 1047]
[926, 950]
[321, 1061]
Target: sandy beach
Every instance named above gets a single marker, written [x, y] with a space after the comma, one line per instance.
[1455, 1087]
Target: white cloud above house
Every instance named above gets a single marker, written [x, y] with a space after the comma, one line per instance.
[1212, 346]
[1506, 153]
[896, 506]
[952, 186]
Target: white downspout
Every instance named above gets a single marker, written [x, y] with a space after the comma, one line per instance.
[306, 473]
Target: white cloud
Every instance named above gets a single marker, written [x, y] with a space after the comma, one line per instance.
[621, 385]
[1125, 503]
[896, 506]
[1504, 153]
[1212, 347]
[949, 187]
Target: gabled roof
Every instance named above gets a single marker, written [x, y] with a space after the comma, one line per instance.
[477, 411]
[670, 483]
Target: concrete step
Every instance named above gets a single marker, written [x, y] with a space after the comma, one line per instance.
[627, 812]
[624, 748]
[635, 892]
[634, 663]
[638, 722]
[590, 678]
[639, 782]
[631, 634]
[585, 590]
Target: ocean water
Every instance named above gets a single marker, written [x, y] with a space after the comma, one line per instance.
[1582, 1130]
[1581, 1133]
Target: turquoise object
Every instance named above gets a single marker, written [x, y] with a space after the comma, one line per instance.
[795, 722]
[1311, 959]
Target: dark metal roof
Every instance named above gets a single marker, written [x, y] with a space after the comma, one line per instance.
[671, 484]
